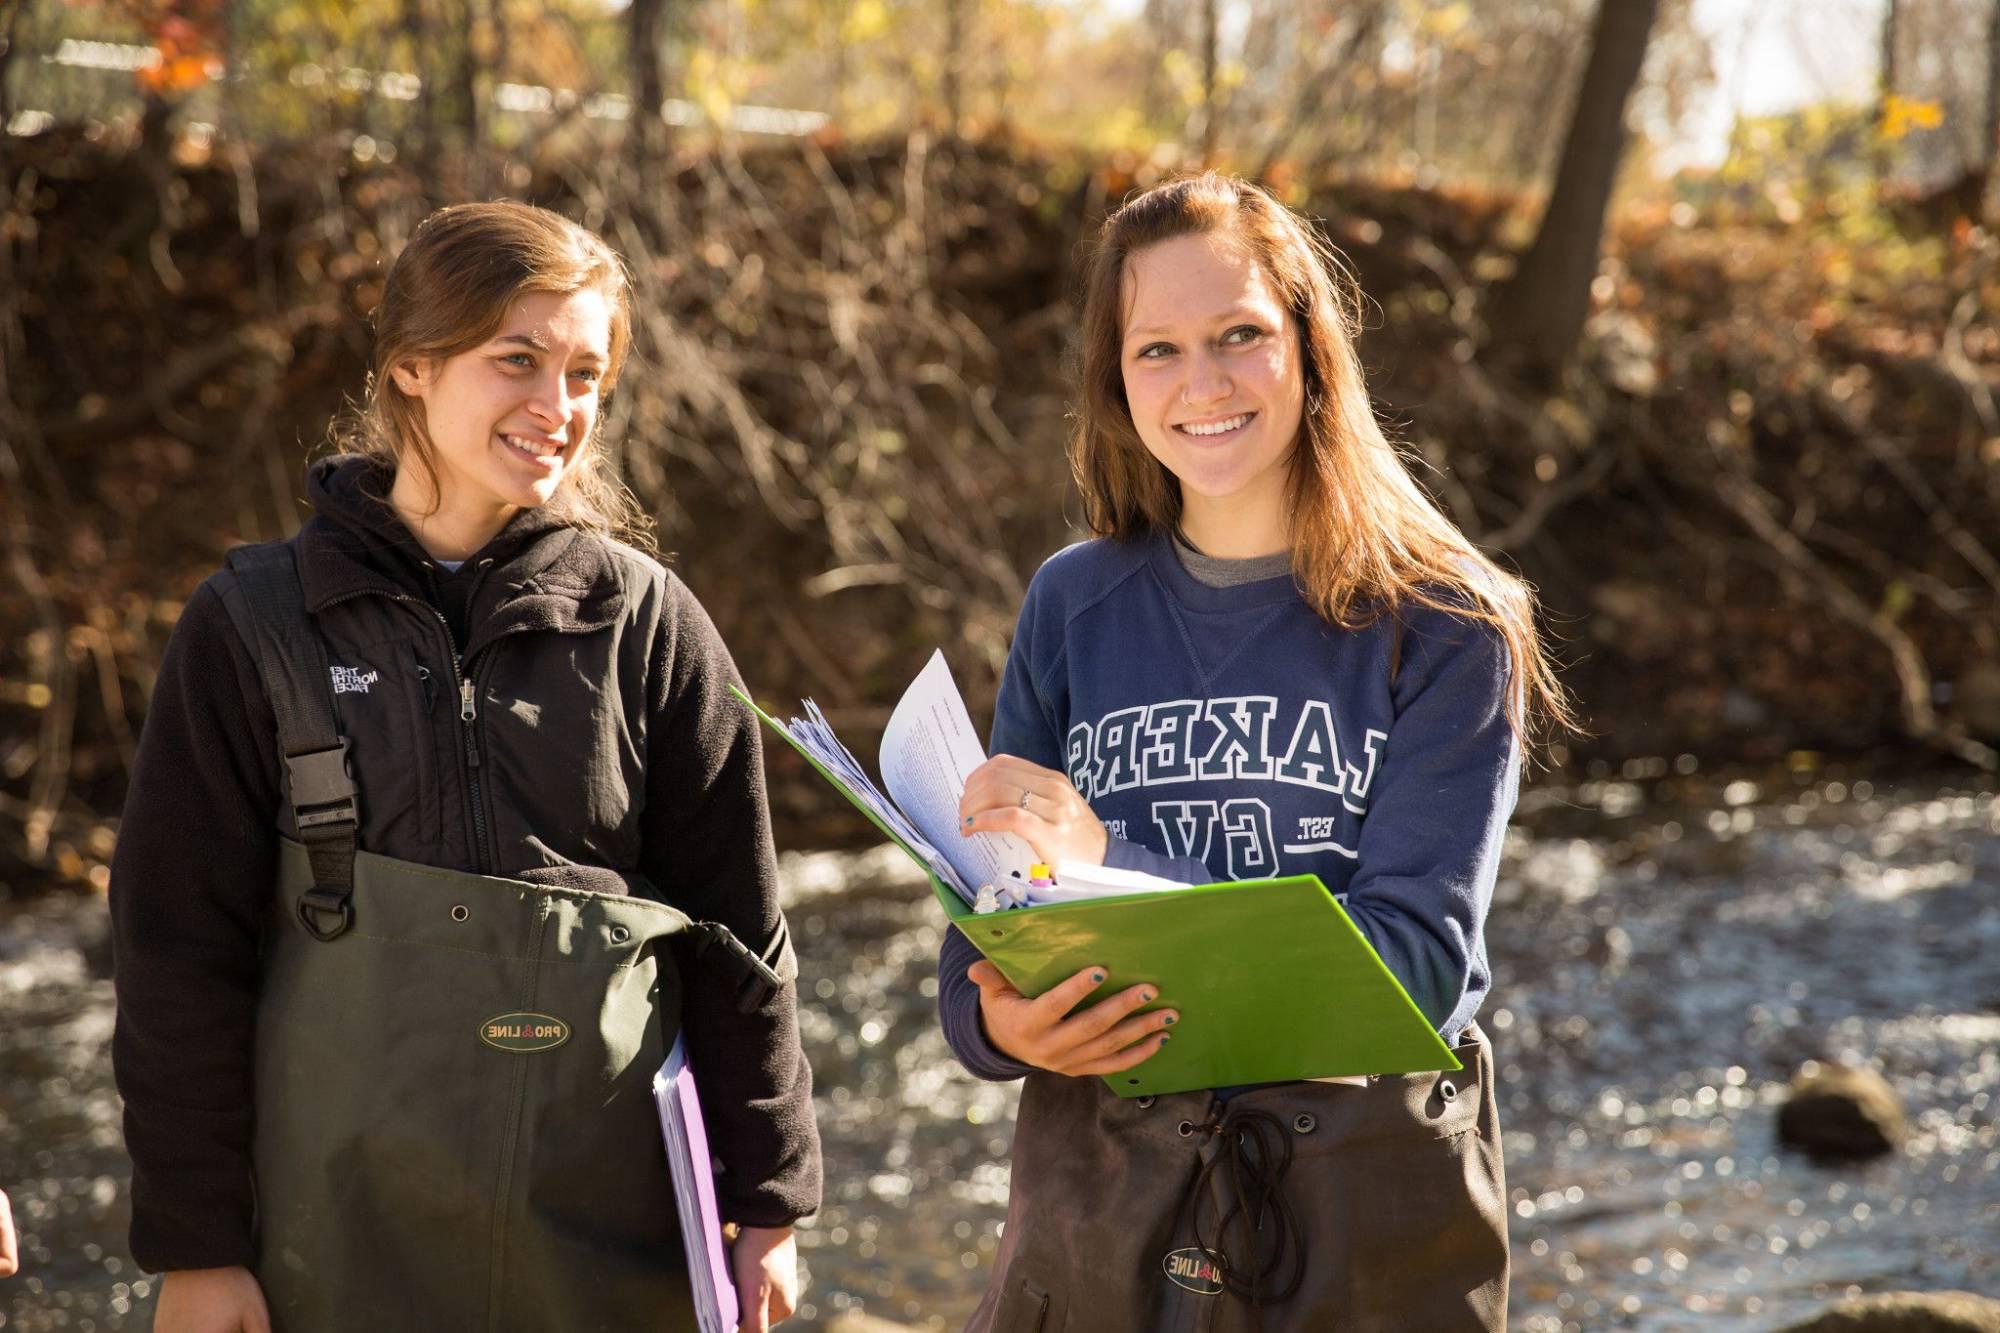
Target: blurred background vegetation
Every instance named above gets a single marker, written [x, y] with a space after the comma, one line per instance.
[1686, 308]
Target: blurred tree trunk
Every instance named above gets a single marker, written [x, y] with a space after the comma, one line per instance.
[9, 47]
[1366, 142]
[156, 123]
[1162, 22]
[954, 61]
[1423, 131]
[416, 31]
[465, 75]
[1990, 205]
[838, 101]
[646, 50]
[1537, 316]
[1885, 88]
[230, 47]
[1001, 90]
[496, 19]
[1210, 36]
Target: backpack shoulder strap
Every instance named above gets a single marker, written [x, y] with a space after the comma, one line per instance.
[319, 782]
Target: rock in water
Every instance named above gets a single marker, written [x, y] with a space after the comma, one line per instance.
[1907, 1312]
[1836, 1110]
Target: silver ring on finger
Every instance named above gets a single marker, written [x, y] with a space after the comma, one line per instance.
[1025, 794]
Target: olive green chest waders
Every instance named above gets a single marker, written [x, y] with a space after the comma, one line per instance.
[455, 1127]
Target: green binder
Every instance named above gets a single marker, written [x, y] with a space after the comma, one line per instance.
[1273, 981]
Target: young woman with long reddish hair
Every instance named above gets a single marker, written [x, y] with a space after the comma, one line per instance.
[1278, 658]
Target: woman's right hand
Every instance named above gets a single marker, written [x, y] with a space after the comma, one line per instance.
[1103, 1039]
[211, 1300]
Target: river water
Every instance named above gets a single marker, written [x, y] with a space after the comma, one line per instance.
[1668, 949]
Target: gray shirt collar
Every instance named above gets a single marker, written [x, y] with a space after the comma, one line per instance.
[1220, 572]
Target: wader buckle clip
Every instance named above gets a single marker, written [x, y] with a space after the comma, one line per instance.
[323, 790]
[756, 970]
[317, 905]
[327, 814]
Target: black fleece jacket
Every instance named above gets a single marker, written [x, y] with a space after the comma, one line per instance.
[607, 741]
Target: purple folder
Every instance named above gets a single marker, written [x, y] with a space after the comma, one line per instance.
[694, 1191]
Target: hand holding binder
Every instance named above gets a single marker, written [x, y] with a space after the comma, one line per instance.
[1073, 1027]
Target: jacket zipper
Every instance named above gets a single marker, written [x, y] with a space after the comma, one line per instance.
[468, 717]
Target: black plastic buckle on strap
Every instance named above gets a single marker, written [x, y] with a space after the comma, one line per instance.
[760, 979]
[325, 811]
[323, 790]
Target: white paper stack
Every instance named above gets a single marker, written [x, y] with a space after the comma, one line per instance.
[694, 1193]
[928, 750]
[815, 736]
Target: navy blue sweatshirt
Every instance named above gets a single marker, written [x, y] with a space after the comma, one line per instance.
[1230, 733]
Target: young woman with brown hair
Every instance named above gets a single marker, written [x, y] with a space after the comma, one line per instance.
[431, 801]
[1280, 658]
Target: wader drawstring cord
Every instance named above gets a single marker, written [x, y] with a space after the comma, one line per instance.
[1255, 1149]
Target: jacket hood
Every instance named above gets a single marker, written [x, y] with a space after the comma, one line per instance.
[540, 571]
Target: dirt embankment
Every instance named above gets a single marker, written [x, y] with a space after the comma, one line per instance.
[1762, 514]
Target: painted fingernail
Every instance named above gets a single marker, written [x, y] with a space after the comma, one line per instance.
[1097, 976]
[1166, 1037]
[1147, 997]
[968, 821]
[1172, 1019]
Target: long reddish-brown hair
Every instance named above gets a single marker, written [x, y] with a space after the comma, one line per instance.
[1366, 540]
[448, 292]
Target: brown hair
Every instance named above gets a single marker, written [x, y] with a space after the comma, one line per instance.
[1366, 539]
[447, 293]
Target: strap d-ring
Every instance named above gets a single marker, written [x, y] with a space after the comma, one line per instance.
[325, 913]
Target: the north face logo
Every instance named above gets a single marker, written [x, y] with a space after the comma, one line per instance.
[349, 680]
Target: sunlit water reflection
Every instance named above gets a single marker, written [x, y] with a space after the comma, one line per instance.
[1668, 951]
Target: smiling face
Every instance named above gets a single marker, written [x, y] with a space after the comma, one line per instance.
[1211, 364]
[507, 420]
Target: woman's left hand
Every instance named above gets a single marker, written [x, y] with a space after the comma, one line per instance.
[1009, 795]
[10, 1245]
[765, 1261]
